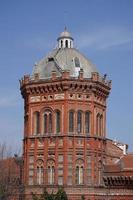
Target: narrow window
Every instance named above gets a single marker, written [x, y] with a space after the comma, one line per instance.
[61, 43]
[87, 122]
[51, 175]
[79, 175]
[77, 63]
[79, 121]
[57, 121]
[45, 123]
[36, 123]
[99, 124]
[37, 175]
[66, 42]
[50, 123]
[53, 171]
[40, 175]
[71, 121]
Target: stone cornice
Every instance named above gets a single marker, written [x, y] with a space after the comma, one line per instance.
[96, 84]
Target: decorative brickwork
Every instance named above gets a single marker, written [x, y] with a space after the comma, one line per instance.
[65, 133]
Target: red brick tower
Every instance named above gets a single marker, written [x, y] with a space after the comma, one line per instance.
[64, 123]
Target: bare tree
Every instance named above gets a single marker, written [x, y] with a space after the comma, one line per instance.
[9, 173]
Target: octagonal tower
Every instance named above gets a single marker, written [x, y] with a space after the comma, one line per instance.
[64, 123]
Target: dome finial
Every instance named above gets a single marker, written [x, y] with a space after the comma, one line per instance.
[65, 39]
[65, 28]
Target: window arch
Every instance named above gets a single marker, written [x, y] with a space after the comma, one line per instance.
[61, 43]
[39, 175]
[51, 172]
[87, 122]
[50, 123]
[47, 121]
[99, 124]
[77, 175]
[39, 172]
[79, 121]
[58, 121]
[71, 121]
[77, 62]
[79, 172]
[36, 117]
[66, 43]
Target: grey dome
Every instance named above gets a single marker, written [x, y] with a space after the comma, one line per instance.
[62, 59]
[65, 57]
[65, 34]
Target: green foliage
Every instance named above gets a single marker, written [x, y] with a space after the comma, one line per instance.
[47, 196]
[2, 193]
[34, 196]
[60, 195]
[82, 197]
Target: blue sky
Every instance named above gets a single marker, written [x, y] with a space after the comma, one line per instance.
[103, 31]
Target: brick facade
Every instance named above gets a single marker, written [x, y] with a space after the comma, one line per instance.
[65, 140]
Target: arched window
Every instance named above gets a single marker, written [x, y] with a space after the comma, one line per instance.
[50, 123]
[100, 172]
[71, 121]
[36, 122]
[77, 63]
[66, 43]
[79, 175]
[39, 175]
[47, 121]
[79, 122]
[51, 172]
[79, 171]
[58, 121]
[99, 124]
[39, 172]
[61, 43]
[87, 122]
